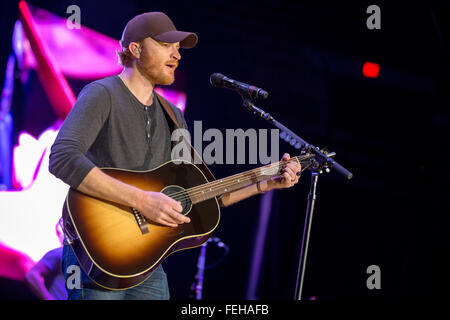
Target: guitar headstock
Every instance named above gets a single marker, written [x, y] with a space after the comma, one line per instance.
[309, 159]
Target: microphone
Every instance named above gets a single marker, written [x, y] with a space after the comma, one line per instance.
[219, 242]
[220, 81]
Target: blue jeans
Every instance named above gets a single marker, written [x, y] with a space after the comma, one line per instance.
[154, 288]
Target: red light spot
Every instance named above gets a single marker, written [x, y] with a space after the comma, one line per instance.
[371, 70]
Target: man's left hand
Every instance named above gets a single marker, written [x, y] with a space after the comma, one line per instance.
[290, 174]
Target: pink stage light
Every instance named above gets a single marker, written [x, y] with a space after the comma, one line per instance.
[14, 264]
[28, 217]
[55, 84]
[26, 159]
[80, 53]
[178, 98]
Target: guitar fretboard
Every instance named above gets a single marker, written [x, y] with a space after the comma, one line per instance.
[218, 187]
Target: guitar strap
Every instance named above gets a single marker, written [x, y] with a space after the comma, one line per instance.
[175, 125]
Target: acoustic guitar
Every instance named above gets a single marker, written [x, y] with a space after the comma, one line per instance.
[118, 248]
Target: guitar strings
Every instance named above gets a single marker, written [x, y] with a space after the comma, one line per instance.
[248, 173]
[186, 195]
[224, 183]
[230, 180]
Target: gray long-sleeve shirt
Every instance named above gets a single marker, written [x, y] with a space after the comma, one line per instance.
[109, 127]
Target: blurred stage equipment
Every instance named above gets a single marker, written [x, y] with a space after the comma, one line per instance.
[322, 161]
[42, 42]
[197, 285]
[55, 85]
[6, 125]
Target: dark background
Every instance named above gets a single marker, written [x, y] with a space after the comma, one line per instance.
[391, 132]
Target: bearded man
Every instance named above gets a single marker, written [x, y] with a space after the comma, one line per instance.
[118, 122]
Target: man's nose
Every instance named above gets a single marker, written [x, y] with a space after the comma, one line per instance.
[176, 53]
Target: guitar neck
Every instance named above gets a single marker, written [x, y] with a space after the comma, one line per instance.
[218, 187]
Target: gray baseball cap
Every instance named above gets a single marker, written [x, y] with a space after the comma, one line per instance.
[158, 26]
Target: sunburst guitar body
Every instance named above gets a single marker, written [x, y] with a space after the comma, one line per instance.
[118, 248]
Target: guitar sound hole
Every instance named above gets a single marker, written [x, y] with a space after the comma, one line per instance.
[178, 193]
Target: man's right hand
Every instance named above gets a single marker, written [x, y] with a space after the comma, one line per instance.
[155, 206]
[161, 209]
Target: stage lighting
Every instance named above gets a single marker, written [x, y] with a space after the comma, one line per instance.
[371, 70]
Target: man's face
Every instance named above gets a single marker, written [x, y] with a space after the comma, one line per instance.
[158, 60]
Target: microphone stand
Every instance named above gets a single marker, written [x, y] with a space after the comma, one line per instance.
[197, 286]
[321, 161]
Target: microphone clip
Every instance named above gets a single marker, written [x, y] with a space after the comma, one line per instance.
[255, 110]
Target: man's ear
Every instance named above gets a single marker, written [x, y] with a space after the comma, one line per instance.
[135, 49]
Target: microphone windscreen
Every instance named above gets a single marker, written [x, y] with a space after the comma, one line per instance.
[216, 79]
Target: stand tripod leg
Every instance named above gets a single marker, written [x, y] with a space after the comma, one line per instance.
[306, 233]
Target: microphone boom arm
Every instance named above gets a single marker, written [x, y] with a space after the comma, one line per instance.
[323, 159]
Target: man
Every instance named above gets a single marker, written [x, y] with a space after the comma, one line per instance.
[45, 278]
[119, 122]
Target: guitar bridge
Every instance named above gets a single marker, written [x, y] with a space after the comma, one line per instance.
[141, 221]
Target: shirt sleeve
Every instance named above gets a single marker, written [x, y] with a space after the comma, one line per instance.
[68, 160]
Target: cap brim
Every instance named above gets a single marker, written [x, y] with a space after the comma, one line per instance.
[186, 39]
